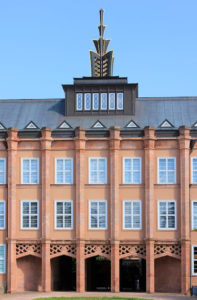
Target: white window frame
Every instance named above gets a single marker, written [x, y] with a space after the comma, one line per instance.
[77, 108]
[4, 175]
[132, 201]
[4, 259]
[38, 215]
[64, 158]
[166, 157]
[55, 210]
[192, 178]
[38, 173]
[4, 215]
[122, 101]
[158, 215]
[193, 273]
[85, 101]
[106, 221]
[89, 170]
[140, 159]
[193, 201]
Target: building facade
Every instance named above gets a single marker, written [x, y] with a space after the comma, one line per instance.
[98, 191]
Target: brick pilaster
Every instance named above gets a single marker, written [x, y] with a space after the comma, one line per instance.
[80, 142]
[46, 212]
[149, 146]
[12, 142]
[113, 204]
[184, 148]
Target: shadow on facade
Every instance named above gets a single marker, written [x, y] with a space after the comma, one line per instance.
[98, 274]
[63, 273]
[29, 273]
[133, 275]
[167, 275]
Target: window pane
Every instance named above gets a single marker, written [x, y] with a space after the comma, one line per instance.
[26, 221]
[95, 101]
[25, 177]
[136, 221]
[67, 207]
[101, 177]
[59, 222]
[93, 164]
[68, 177]
[1, 221]
[171, 164]
[136, 164]
[136, 208]
[111, 101]
[59, 164]
[93, 207]
[195, 163]
[163, 222]
[2, 207]
[162, 164]
[34, 177]
[33, 165]
[59, 177]
[93, 177]
[171, 222]
[171, 208]
[67, 221]
[68, 164]
[79, 101]
[102, 222]
[101, 207]
[127, 164]
[34, 207]
[194, 222]
[103, 101]
[171, 177]
[195, 208]
[127, 206]
[94, 222]
[120, 101]
[1, 252]
[101, 164]
[127, 177]
[26, 165]
[34, 221]
[2, 175]
[59, 207]
[2, 163]
[25, 207]
[194, 176]
[162, 208]
[1, 266]
[136, 177]
[87, 101]
[128, 222]
[162, 177]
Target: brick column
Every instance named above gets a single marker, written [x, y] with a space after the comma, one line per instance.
[114, 174]
[46, 205]
[184, 162]
[80, 142]
[149, 146]
[12, 142]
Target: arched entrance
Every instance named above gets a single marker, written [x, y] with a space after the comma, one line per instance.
[132, 274]
[167, 275]
[63, 273]
[98, 273]
[29, 273]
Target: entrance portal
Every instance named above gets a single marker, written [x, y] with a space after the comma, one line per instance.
[98, 274]
[133, 275]
[63, 273]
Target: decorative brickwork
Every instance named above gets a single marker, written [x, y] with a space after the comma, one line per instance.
[173, 250]
[128, 251]
[94, 250]
[28, 249]
[62, 249]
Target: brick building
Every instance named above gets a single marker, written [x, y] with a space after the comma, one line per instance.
[98, 191]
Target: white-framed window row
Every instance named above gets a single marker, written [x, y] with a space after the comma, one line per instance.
[64, 170]
[29, 170]
[30, 214]
[132, 215]
[194, 259]
[2, 259]
[194, 170]
[98, 214]
[2, 214]
[63, 214]
[97, 170]
[2, 170]
[167, 219]
[166, 170]
[132, 170]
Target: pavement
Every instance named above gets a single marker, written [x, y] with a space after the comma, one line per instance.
[33, 295]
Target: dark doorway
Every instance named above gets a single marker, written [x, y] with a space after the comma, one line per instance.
[98, 274]
[63, 273]
[133, 275]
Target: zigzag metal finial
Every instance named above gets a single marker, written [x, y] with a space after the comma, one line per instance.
[101, 60]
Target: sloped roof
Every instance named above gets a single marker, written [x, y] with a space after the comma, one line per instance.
[50, 112]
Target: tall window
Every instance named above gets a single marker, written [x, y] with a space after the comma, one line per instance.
[2, 259]
[104, 101]
[120, 104]
[132, 214]
[29, 214]
[194, 169]
[2, 170]
[63, 214]
[87, 101]
[98, 214]
[79, 101]
[167, 215]
[194, 215]
[95, 101]
[131, 170]
[112, 101]
[2, 214]
[194, 260]
[98, 170]
[30, 170]
[64, 170]
[167, 170]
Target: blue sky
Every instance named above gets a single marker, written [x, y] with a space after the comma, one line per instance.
[45, 43]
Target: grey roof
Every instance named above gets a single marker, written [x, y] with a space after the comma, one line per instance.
[50, 112]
